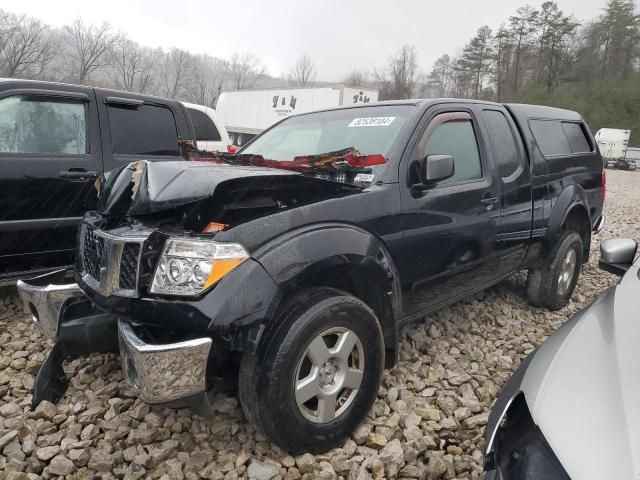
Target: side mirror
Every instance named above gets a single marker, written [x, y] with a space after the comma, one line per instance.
[617, 255]
[433, 169]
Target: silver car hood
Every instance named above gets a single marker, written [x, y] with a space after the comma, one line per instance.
[583, 387]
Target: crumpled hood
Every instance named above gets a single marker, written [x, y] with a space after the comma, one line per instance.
[583, 387]
[147, 187]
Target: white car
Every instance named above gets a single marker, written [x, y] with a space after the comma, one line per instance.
[211, 133]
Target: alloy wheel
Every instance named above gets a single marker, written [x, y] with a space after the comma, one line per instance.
[329, 374]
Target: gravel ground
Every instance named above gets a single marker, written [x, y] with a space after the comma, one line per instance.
[428, 420]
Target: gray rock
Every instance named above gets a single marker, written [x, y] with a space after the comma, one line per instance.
[361, 433]
[12, 450]
[305, 463]
[47, 453]
[10, 410]
[101, 461]
[45, 410]
[60, 465]
[262, 471]
[7, 437]
[79, 456]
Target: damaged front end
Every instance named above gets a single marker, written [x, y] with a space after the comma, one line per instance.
[153, 283]
[61, 311]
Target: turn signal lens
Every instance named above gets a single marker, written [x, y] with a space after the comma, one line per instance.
[220, 268]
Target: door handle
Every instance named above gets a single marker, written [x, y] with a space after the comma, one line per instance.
[77, 174]
[489, 199]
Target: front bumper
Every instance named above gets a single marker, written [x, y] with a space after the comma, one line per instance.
[166, 372]
[47, 301]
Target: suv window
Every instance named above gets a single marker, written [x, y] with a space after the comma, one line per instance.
[506, 153]
[578, 141]
[32, 124]
[458, 139]
[143, 130]
[205, 128]
[550, 137]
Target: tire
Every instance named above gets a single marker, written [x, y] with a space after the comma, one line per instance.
[548, 286]
[267, 379]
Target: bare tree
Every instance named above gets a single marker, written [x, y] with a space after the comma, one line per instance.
[245, 69]
[303, 73]
[26, 46]
[132, 65]
[357, 78]
[401, 75]
[176, 68]
[88, 47]
[206, 81]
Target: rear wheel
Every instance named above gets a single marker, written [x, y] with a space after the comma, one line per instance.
[314, 378]
[552, 285]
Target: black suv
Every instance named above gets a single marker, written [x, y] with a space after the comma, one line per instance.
[55, 140]
[291, 265]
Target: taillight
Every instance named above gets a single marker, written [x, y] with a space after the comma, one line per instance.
[231, 148]
[603, 185]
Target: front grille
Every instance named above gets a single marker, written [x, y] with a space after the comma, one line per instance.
[129, 266]
[118, 255]
[93, 251]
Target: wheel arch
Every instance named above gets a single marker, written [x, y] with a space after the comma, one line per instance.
[343, 257]
[571, 212]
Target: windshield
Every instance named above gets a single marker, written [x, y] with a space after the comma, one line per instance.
[369, 131]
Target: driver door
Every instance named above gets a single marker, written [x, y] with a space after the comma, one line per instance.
[451, 228]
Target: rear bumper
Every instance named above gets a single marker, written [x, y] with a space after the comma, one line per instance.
[163, 373]
[598, 226]
[47, 301]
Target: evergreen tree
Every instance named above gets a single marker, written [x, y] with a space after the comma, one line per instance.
[521, 27]
[476, 57]
[619, 26]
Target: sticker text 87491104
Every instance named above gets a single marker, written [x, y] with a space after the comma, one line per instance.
[372, 122]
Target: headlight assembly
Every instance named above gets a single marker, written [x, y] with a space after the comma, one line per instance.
[520, 449]
[189, 267]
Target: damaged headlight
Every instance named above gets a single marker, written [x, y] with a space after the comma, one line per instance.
[520, 449]
[188, 267]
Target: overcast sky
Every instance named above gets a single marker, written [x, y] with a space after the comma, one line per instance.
[339, 35]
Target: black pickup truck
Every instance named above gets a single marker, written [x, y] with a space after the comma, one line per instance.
[55, 140]
[290, 265]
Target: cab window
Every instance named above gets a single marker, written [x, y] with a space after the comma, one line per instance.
[204, 126]
[455, 137]
[143, 130]
[43, 125]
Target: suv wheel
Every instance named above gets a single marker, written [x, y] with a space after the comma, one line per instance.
[552, 285]
[316, 375]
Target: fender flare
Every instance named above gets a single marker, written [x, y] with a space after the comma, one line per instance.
[571, 197]
[294, 256]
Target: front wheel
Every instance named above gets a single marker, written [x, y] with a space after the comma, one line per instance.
[316, 375]
[552, 285]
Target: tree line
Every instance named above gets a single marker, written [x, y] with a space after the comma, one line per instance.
[100, 56]
[538, 55]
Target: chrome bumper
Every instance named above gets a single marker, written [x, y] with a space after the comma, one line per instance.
[599, 226]
[46, 301]
[163, 373]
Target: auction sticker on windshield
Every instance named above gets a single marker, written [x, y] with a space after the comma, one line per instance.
[372, 122]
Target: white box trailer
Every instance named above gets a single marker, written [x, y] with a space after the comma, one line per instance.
[633, 158]
[246, 113]
[613, 144]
